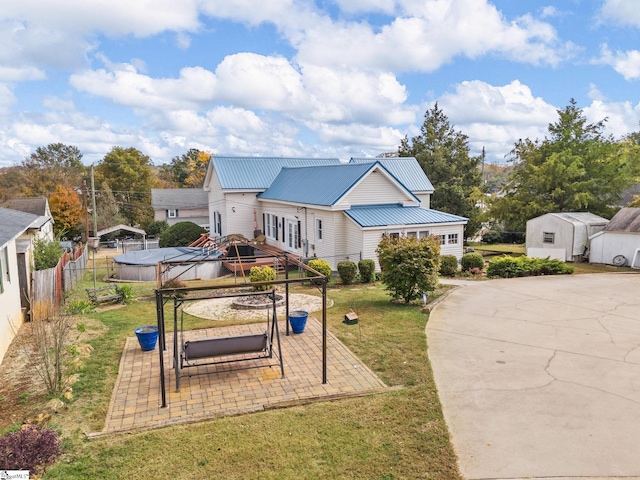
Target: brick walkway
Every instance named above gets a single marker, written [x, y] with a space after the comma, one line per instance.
[135, 402]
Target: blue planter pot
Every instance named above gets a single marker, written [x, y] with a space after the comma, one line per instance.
[298, 320]
[147, 337]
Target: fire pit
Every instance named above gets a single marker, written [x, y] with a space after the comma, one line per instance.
[256, 302]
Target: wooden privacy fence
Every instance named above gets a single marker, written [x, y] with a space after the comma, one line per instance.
[48, 285]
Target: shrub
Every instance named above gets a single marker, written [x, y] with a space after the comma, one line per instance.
[472, 260]
[320, 266]
[76, 307]
[448, 265]
[510, 267]
[409, 266]
[347, 271]
[46, 254]
[176, 283]
[367, 268]
[262, 274]
[492, 236]
[127, 293]
[31, 448]
[180, 235]
[156, 228]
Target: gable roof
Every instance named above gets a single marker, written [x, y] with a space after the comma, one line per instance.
[176, 198]
[35, 206]
[388, 215]
[626, 220]
[407, 169]
[321, 185]
[255, 173]
[13, 223]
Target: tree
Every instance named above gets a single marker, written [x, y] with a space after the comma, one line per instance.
[50, 166]
[180, 234]
[67, 211]
[443, 154]
[575, 168]
[128, 173]
[187, 170]
[409, 266]
[156, 228]
[107, 209]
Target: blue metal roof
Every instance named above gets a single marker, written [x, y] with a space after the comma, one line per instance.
[257, 173]
[167, 254]
[320, 185]
[386, 215]
[405, 169]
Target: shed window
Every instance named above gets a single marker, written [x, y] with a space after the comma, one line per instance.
[442, 239]
[452, 239]
[548, 237]
[423, 233]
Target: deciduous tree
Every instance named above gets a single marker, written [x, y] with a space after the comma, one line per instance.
[67, 211]
[50, 166]
[187, 170]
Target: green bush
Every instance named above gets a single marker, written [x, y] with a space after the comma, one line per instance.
[347, 271]
[156, 228]
[510, 267]
[262, 274]
[472, 260]
[448, 265]
[46, 254]
[409, 266]
[492, 236]
[367, 268]
[127, 293]
[180, 235]
[76, 307]
[321, 266]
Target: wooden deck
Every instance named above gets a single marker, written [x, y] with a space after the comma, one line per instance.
[276, 260]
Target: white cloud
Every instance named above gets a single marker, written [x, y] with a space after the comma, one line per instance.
[626, 63]
[622, 117]
[624, 12]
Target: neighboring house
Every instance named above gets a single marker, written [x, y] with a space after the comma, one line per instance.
[36, 206]
[326, 208]
[175, 205]
[619, 242]
[16, 231]
[563, 236]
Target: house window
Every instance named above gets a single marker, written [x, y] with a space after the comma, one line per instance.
[395, 235]
[423, 233]
[271, 226]
[452, 239]
[319, 230]
[412, 234]
[172, 213]
[442, 239]
[217, 223]
[548, 237]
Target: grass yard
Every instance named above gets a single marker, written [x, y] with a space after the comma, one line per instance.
[396, 435]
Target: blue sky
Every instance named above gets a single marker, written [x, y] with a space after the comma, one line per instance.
[334, 78]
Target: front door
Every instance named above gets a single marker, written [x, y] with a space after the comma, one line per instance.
[292, 235]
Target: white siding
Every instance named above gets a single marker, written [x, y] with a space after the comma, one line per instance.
[216, 201]
[375, 188]
[607, 245]
[425, 199]
[11, 318]
[241, 221]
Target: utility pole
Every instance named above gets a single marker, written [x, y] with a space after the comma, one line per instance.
[483, 180]
[86, 211]
[93, 204]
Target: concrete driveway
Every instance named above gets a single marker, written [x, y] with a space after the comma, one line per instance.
[540, 377]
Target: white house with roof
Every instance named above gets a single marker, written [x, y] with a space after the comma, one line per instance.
[175, 205]
[16, 231]
[326, 208]
[562, 235]
[36, 206]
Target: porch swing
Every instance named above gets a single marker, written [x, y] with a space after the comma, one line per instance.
[229, 349]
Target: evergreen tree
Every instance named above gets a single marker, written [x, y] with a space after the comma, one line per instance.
[443, 154]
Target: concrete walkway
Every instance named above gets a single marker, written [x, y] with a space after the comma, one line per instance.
[540, 377]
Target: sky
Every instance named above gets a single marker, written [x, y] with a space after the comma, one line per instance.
[324, 78]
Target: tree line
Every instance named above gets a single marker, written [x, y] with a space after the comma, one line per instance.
[575, 167]
[122, 180]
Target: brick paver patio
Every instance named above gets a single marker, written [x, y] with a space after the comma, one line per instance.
[135, 402]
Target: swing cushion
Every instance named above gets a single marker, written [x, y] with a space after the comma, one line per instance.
[219, 346]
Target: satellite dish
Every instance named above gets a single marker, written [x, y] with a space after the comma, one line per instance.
[619, 260]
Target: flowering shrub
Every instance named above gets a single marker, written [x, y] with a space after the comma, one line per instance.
[262, 274]
[321, 266]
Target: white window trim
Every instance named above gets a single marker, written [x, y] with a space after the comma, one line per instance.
[172, 213]
[319, 230]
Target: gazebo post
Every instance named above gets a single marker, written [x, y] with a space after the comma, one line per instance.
[160, 315]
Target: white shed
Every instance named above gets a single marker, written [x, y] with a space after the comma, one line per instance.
[563, 235]
[618, 244]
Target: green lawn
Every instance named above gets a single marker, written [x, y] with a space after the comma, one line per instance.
[395, 435]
